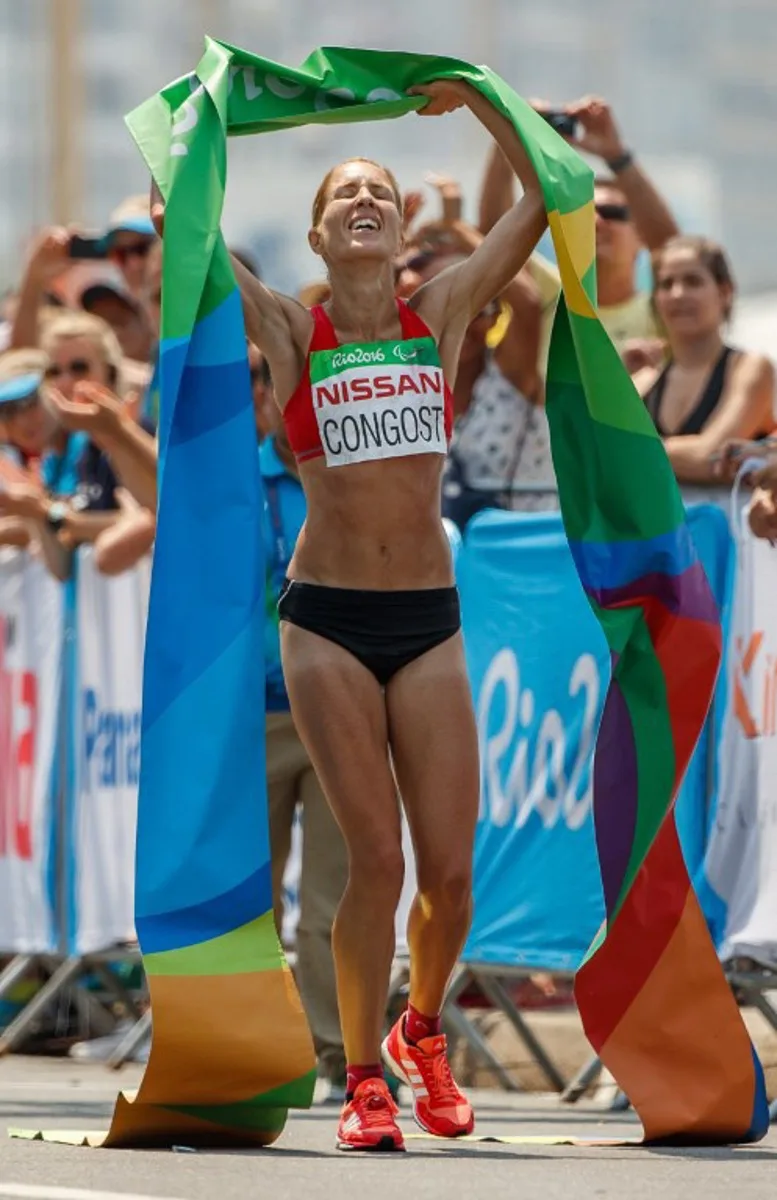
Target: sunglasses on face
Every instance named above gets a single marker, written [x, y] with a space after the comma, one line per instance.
[79, 368]
[135, 250]
[613, 212]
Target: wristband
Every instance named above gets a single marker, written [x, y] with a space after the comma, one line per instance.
[620, 163]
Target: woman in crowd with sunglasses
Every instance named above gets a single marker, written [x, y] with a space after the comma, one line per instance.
[709, 392]
[74, 500]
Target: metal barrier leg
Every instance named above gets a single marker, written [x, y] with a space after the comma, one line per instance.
[113, 984]
[130, 1043]
[773, 1112]
[759, 1001]
[94, 1015]
[17, 1031]
[585, 1078]
[497, 993]
[456, 1020]
[15, 971]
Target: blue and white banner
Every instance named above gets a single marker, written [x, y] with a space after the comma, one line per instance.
[738, 885]
[539, 669]
[110, 627]
[31, 627]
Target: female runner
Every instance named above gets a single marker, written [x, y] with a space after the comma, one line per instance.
[371, 642]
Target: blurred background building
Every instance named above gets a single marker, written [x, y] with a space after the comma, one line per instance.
[693, 82]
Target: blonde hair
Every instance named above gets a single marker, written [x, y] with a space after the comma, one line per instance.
[311, 294]
[321, 197]
[66, 325]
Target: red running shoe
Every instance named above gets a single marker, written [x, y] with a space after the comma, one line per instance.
[438, 1105]
[368, 1121]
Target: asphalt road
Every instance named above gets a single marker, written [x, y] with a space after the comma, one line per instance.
[59, 1094]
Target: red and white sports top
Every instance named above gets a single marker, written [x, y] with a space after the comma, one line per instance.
[362, 402]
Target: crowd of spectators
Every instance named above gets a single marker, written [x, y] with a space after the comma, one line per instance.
[79, 391]
[79, 405]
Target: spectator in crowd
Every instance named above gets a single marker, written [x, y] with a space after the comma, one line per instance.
[75, 501]
[26, 430]
[630, 214]
[48, 259]
[500, 439]
[26, 426]
[708, 392]
[291, 779]
[128, 241]
[124, 312]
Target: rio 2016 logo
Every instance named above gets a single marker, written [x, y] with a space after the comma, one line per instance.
[524, 772]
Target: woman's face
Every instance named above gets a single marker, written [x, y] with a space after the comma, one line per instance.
[129, 252]
[128, 323]
[361, 220]
[75, 360]
[688, 299]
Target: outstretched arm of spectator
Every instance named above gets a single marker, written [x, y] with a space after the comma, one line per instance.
[14, 532]
[86, 527]
[28, 502]
[133, 452]
[128, 540]
[746, 410]
[762, 515]
[48, 258]
[599, 135]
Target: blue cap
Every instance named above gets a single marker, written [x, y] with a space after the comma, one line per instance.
[21, 387]
[131, 216]
[137, 224]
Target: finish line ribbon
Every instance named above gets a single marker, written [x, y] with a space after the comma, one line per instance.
[231, 1051]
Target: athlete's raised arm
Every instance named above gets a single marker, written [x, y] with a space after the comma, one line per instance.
[277, 324]
[460, 293]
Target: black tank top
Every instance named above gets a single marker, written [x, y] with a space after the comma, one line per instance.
[705, 406]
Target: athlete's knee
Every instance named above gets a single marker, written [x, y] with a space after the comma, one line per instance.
[379, 870]
[447, 889]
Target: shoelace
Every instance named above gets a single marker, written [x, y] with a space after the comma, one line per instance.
[374, 1106]
[443, 1079]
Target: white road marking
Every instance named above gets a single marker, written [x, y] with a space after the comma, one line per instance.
[27, 1191]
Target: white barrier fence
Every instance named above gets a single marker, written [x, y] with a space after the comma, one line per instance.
[110, 634]
[741, 860]
[31, 645]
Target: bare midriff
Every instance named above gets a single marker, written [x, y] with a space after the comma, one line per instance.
[374, 526]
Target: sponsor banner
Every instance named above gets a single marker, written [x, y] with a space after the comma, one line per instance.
[740, 866]
[539, 668]
[111, 621]
[31, 634]
[381, 400]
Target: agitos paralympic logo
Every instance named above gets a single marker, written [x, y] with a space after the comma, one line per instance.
[18, 707]
[755, 677]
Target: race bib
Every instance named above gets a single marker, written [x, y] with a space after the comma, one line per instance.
[379, 400]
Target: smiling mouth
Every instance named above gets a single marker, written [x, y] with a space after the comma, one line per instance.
[364, 225]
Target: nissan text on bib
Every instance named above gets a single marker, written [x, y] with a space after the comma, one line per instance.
[379, 400]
